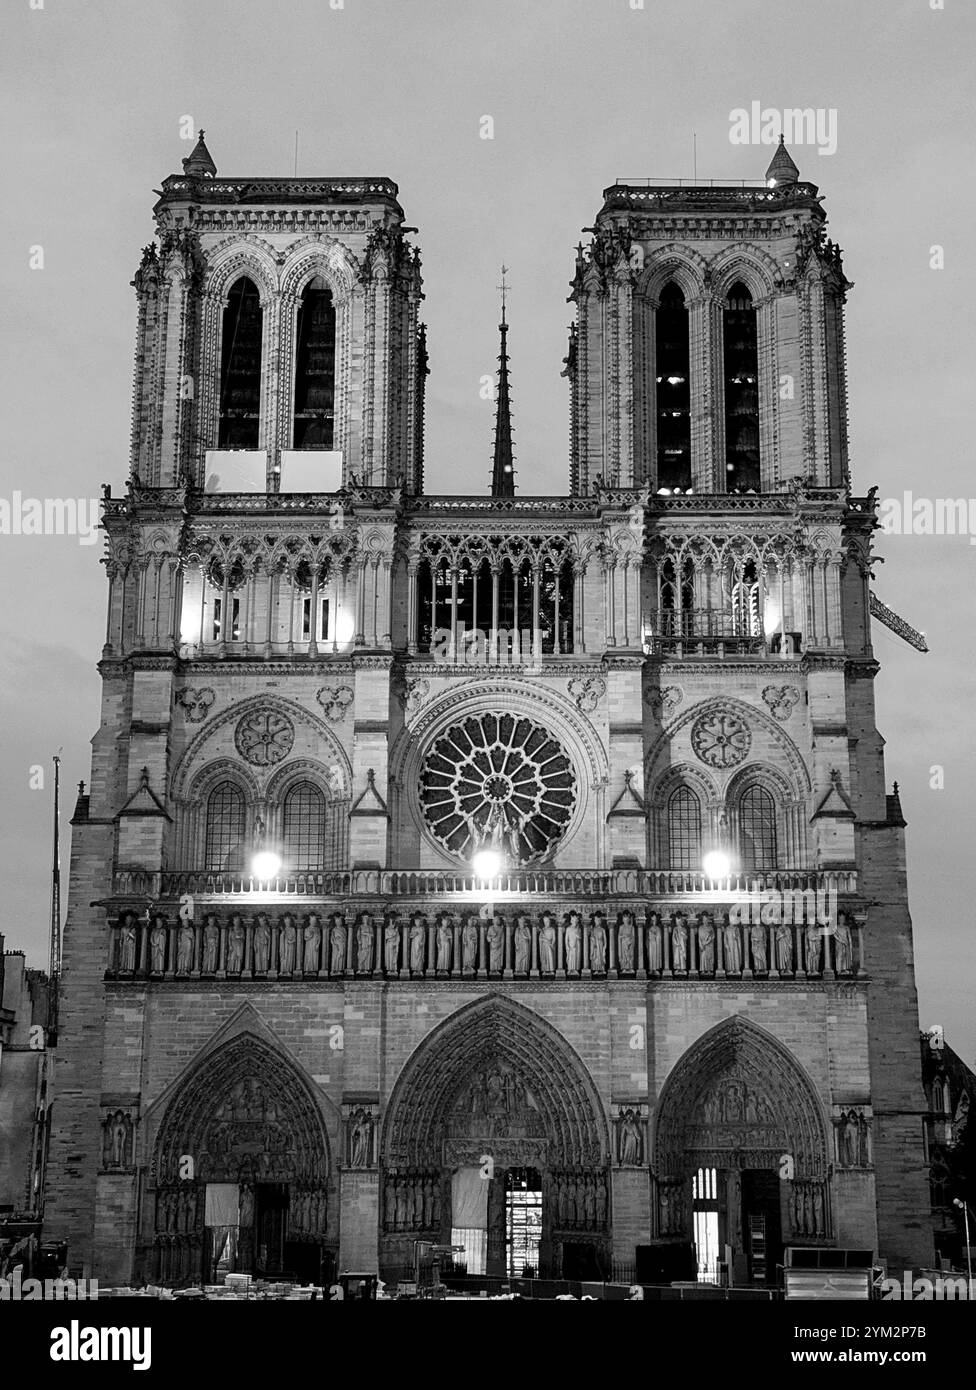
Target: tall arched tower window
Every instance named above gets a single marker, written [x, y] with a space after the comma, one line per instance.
[240, 368]
[303, 827]
[224, 839]
[684, 829]
[757, 830]
[315, 368]
[673, 375]
[741, 370]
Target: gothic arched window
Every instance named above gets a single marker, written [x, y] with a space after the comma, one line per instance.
[226, 818]
[303, 827]
[684, 829]
[747, 614]
[315, 368]
[240, 368]
[741, 370]
[757, 830]
[673, 377]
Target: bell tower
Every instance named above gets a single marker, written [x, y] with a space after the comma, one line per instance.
[708, 349]
[278, 317]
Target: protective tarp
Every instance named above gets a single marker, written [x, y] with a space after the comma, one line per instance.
[469, 1199]
[223, 1204]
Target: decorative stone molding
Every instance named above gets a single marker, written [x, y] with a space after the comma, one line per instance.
[196, 704]
[664, 701]
[780, 699]
[721, 738]
[264, 736]
[587, 692]
[335, 700]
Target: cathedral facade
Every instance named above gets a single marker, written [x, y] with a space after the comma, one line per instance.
[507, 872]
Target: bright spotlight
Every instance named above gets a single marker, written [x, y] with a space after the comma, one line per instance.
[265, 865]
[487, 863]
[717, 864]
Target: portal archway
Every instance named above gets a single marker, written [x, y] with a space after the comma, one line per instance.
[257, 1200]
[496, 1102]
[741, 1156]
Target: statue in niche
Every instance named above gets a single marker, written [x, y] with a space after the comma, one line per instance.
[402, 1208]
[418, 944]
[598, 945]
[364, 944]
[784, 948]
[496, 943]
[679, 945]
[312, 941]
[589, 1202]
[127, 944]
[846, 1141]
[389, 1202]
[235, 945]
[391, 945]
[732, 947]
[337, 946]
[863, 1133]
[601, 1203]
[157, 945]
[547, 945]
[573, 940]
[117, 1151]
[445, 944]
[523, 945]
[654, 953]
[813, 943]
[361, 1139]
[626, 941]
[287, 944]
[757, 943]
[184, 949]
[843, 946]
[469, 942]
[706, 945]
[211, 944]
[246, 1208]
[261, 945]
[630, 1141]
[817, 1210]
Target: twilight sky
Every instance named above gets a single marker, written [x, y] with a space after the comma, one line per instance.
[581, 92]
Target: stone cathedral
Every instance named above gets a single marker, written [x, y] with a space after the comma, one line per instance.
[507, 872]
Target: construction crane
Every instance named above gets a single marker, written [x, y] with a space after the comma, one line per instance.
[897, 625]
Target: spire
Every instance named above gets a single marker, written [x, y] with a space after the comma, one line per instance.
[503, 470]
[198, 163]
[781, 167]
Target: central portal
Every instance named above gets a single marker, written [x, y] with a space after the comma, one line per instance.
[494, 1142]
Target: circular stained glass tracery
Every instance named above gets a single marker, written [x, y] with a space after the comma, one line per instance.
[498, 782]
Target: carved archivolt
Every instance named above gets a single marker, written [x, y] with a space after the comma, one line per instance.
[507, 1064]
[244, 1113]
[739, 1098]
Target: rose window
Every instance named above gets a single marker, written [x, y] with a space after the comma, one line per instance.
[721, 739]
[264, 737]
[498, 782]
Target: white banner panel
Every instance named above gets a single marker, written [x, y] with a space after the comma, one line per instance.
[236, 470]
[310, 470]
